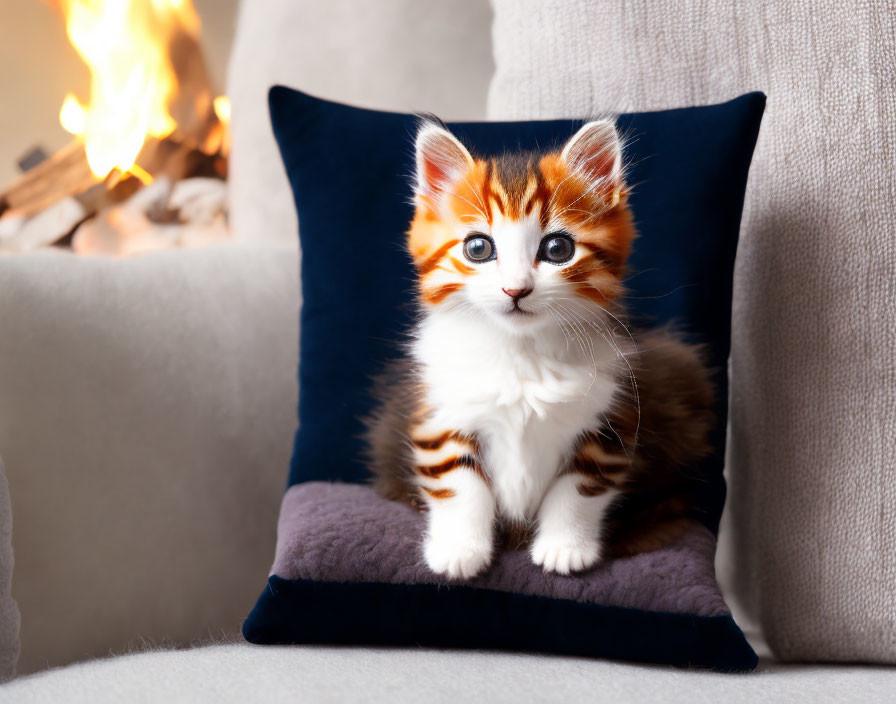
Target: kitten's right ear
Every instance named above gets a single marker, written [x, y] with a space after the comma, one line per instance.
[441, 161]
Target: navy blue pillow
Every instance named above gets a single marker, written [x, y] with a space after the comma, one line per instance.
[350, 171]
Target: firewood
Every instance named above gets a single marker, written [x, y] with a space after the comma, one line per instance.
[67, 173]
[64, 174]
[189, 213]
[191, 150]
[45, 228]
[191, 105]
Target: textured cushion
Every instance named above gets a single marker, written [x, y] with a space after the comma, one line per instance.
[690, 167]
[243, 673]
[394, 54]
[344, 550]
[146, 406]
[813, 371]
[335, 532]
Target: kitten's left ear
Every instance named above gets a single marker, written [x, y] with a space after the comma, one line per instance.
[596, 153]
[441, 160]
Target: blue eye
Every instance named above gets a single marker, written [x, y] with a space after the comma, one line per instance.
[556, 249]
[479, 248]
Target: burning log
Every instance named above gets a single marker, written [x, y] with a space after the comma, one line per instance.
[18, 234]
[51, 199]
[66, 173]
[169, 111]
[188, 213]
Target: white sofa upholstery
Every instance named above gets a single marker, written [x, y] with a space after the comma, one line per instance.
[147, 407]
[245, 673]
[813, 376]
[390, 54]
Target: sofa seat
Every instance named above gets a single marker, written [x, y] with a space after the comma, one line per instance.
[238, 672]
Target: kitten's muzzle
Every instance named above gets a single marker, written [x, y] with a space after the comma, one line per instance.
[517, 294]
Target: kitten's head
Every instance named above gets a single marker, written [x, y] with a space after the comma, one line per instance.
[526, 239]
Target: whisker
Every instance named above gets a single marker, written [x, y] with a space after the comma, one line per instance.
[560, 326]
[575, 333]
[590, 345]
[621, 443]
[472, 205]
[475, 193]
[631, 371]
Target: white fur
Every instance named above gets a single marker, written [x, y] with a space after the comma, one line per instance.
[569, 527]
[460, 534]
[525, 376]
[447, 158]
[595, 152]
[527, 398]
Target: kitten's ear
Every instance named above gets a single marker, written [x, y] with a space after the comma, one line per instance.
[441, 160]
[596, 152]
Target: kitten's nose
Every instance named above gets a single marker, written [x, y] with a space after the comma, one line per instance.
[517, 293]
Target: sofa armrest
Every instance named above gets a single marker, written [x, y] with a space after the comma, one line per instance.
[147, 407]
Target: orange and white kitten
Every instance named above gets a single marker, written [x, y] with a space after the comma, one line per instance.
[517, 405]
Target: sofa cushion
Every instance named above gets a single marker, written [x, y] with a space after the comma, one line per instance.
[348, 570]
[813, 372]
[146, 406]
[690, 168]
[243, 673]
[392, 54]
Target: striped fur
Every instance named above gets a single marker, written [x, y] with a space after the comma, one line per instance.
[517, 187]
[525, 401]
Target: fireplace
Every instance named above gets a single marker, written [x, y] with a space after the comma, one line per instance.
[147, 164]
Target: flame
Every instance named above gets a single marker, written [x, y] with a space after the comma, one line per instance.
[222, 109]
[125, 44]
[219, 139]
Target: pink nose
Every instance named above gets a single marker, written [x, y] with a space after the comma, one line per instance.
[517, 293]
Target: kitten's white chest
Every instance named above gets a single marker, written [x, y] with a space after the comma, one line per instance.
[525, 399]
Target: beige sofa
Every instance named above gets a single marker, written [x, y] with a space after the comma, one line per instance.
[147, 406]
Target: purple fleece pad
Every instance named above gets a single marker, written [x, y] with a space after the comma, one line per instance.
[334, 532]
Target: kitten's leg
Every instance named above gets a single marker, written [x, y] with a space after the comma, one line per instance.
[569, 526]
[570, 518]
[459, 537]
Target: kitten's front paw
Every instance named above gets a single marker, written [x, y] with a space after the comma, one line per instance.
[564, 554]
[457, 557]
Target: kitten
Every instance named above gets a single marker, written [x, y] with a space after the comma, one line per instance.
[524, 401]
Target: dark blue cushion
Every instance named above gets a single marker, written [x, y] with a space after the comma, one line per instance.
[350, 171]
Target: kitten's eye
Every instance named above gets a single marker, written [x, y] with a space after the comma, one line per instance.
[479, 248]
[556, 249]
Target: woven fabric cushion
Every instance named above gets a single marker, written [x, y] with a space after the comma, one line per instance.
[347, 566]
[813, 419]
[146, 405]
[387, 53]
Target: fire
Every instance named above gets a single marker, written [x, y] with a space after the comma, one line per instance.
[127, 45]
[220, 141]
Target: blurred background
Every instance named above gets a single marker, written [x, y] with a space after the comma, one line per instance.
[39, 66]
[121, 113]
